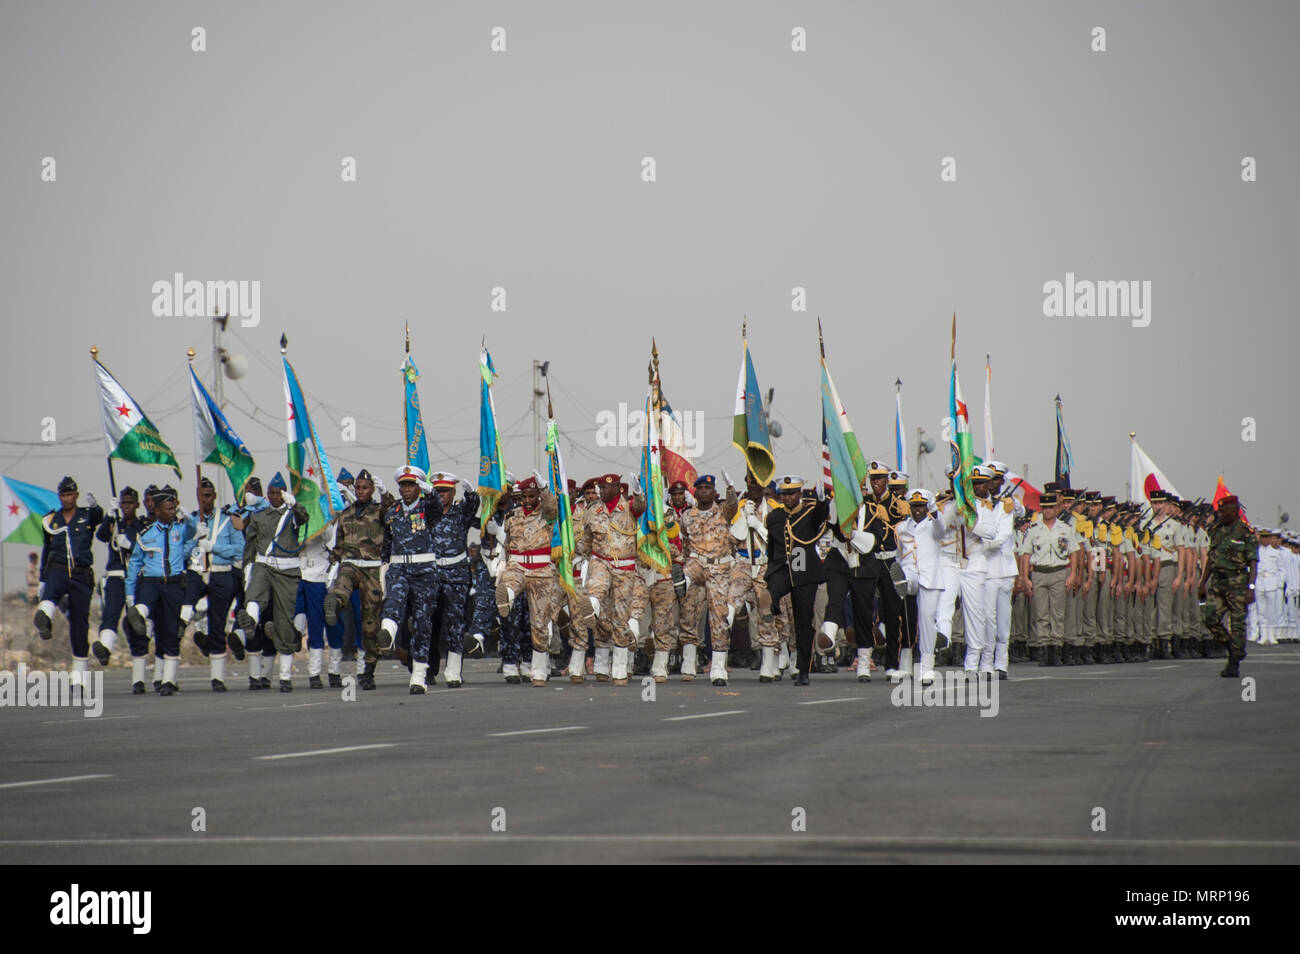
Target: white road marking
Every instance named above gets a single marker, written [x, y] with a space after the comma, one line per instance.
[346, 748]
[704, 715]
[822, 702]
[1158, 668]
[300, 705]
[52, 781]
[80, 721]
[558, 728]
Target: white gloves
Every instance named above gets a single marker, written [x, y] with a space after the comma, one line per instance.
[383, 572]
[425, 486]
[379, 487]
[862, 541]
[122, 541]
[205, 545]
[290, 500]
[821, 490]
[541, 481]
[90, 499]
[751, 516]
[634, 484]
[496, 529]
[202, 530]
[348, 494]
[913, 586]
[300, 623]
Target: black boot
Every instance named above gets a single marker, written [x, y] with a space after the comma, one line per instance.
[1231, 670]
[336, 680]
[367, 678]
[1139, 653]
[1044, 655]
[1067, 655]
[1088, 659]
[1035, 654]
[1207, 649]
[1176, 648]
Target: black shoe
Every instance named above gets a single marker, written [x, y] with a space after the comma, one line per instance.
[236, 645]
[297, 642]
[336, 680]
[366, 680]
[1087, 659]
[802, 679]
[513, 680]
[1034, 654]
[1230, 671]
[101, 652]
[1138, 653]
[331, 609]
[157, 685]
[349, 654]
[286, 685]
[1002, 675]
[1206, 649]
[821, 666]
[135, 621]
[640, 663]
[137, 689]
[166, 689]
[674, 663]
[315, 683]
[1067, 655]
[1176, 648]
[218, 685]
[254, 684]
[44, 625]
[201, 641]
[417, 690]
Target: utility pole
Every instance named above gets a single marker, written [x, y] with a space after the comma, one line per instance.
[539, 371]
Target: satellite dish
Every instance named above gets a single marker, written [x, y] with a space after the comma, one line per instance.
[774, 428]
[236, 365]
[927, 445]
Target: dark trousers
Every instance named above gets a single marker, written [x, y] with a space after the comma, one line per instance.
[77, 587]
[114, 603]
[802, 600]
[222, 590]
[164, 602]
[861, 593]
[891, 614]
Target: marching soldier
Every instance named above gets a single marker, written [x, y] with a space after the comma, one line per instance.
[272, 572]
[1228, 583]
[920, 538]
[213, 579]
[794, 569]
[854, 569]
[407, 576]
[766, 620]
[155, 585]
[1046, 572]
[662, 588]
[68, 569]
[309, 610]
[358, 548]
[616, 594]
[891, 604]
[450, 534]
[529, 571]
[994, 530]
[709, 565]
[119, 531]
[691, 600]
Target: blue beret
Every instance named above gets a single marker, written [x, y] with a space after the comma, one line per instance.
[278, 482]
[708, 479]
[344, 475]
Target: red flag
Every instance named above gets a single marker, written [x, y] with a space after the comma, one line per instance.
[1220, 491]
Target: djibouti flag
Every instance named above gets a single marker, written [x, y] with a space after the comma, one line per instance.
[963, 455]
[749, 431]
[491, 468]
[311, 479]
[215, 441]
[21, 508]
[562, 542]
[129, 435]
[844, 476]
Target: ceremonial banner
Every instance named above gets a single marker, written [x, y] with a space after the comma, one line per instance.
[311, 479]
[651, 533]
[1220, 491]
[215, 441]
[1145, 476]
[1064, 459]
[491, 468]
[128, 433]
[417, 451]
[749, 429]
[845, 479]
[21, 508]
[562, 543]
[963, 456]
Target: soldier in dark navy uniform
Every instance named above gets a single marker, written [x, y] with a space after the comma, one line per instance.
[68, 569]
[408, 575]
[452, 569]
[119, 531]
[794, 568]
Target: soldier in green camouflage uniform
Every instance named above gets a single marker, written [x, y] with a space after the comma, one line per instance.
[357, 550]
[1230, 575]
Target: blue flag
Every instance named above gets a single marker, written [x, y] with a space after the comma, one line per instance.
[417, 452]
[491, 470]
[749, 424]
[1064, 459]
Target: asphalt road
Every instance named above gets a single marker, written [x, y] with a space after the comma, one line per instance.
[1184, 769]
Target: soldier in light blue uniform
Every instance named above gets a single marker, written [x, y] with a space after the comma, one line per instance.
[214, 579]
[155, 585]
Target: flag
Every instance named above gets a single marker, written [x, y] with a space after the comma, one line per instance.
[963, 456]
[21, 508]
[749, 430]
[1220, 491]
[651, 534]
[417, 452]
[827, 478]
[1145, 476]
[129, 434]
[492, 468]
[674, 459]
[988, 409]
[310, 478]
[841, 419]
[215, 441]
[845, 480]
[562, 544]
[1064, 459]
[900, 440]
[1017, 486]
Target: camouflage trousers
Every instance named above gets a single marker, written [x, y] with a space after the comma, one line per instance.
[579, 616]
[1227, 597]
[718, 580]
[669, 616]
[622, 595]
[543, 594]
[366, 580]
[764, 618]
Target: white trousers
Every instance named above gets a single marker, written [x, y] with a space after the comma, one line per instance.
[947, 599]
[997, 622]
[927, 611]
[972, 612]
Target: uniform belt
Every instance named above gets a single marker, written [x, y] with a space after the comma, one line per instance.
[1047, 569]
[174, 578]
[538, 559]
[886, 554]
[279, 563]
[363, 563]
[622, 563]
[715, 561]
[224, 567]
[428, 558]
[118, 573]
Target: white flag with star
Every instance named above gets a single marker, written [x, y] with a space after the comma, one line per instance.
[127, 431]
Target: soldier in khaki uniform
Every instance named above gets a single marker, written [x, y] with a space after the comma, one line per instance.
[1047, 574]
[358, 546]
[663, 586]
[528, 569]
[1166, 540]
[709, 565]
[614, 589]
[766, 623]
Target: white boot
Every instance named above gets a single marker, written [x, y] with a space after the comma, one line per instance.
[418, 672]
[731, 616]
[578, 665]
[217, 669]
[108, 638]
[139, 666]
[541, 668]
[905, 663]
[157, 668]
[187, 614]
[768, 671]
[619, 666]
[314, 659]
[254, 665]
[169, 672]
[634, 627]
[336, 661]
[718, 667]
[927, 668]
[387, 634]
[510, 671]
[77, 678]
[659, 668]
[286, 667]
[452, 675]
[825, 641]
[602, 665]
[525, 669]
[688, 662]
[864, 665]
[782, 660]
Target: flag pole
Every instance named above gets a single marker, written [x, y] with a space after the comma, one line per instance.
[112, 479]
[198, 468]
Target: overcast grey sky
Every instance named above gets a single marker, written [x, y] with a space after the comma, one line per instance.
[775, 169]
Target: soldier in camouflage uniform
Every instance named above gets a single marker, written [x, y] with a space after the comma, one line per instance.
[665, 613]
[709, 565]
[615, 592]
[357, 551]
[749, 530]
[1228, 584]
[529, 570]
[451, 569]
